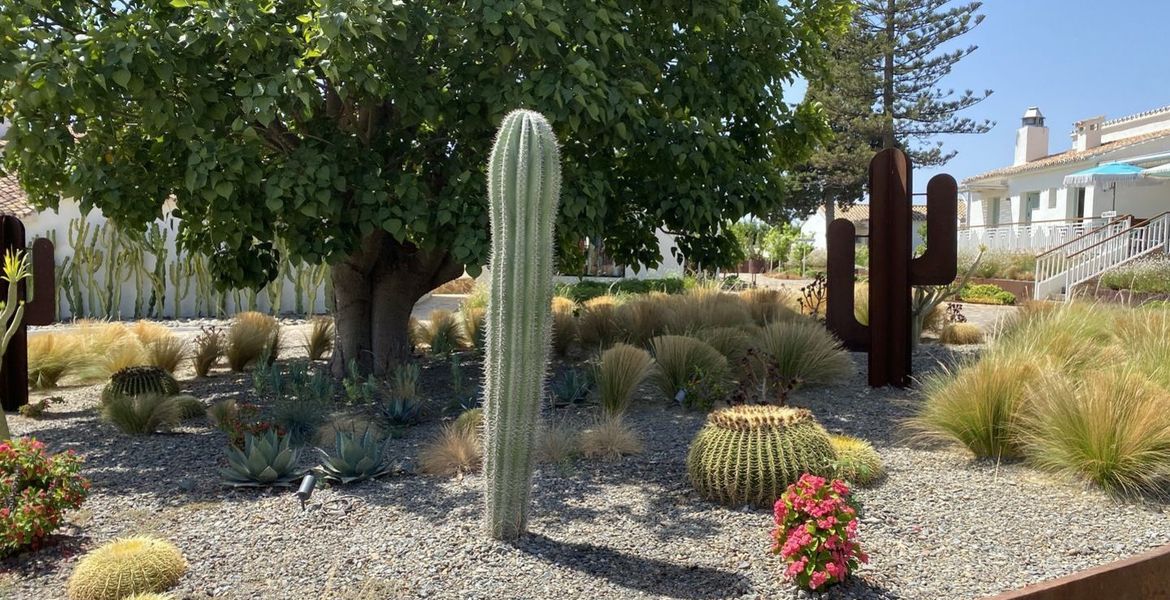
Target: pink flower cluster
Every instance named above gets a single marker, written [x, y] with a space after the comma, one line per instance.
[816, 532]
[36, 488]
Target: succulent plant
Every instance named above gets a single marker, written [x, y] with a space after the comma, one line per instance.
[571, 387]
[138, 381]
[266, 460]
[125, 567]
[524, 180]
[750, 454]
[857, 461]
[358, 458]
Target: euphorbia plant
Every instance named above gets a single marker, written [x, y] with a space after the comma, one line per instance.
[36, 488]
[816, 532]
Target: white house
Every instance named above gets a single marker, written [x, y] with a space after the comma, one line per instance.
[1027, 206]
[814, 227]
[1083, 210]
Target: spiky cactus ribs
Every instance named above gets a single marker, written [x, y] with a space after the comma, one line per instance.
[126, 567]
[750, 454]
[137, 381]
[524, 180]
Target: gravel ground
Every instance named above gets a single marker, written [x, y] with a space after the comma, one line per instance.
[939, 526]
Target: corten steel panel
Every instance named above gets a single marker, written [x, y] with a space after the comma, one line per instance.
[892, 269]
[14, 365]
[1142, 577]
[41, 309]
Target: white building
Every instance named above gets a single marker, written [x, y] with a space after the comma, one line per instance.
[814, 227]
[1077, 228]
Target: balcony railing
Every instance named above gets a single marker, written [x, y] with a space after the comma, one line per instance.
[1035, 236]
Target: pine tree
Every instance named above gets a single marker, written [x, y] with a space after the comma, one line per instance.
[883, 89]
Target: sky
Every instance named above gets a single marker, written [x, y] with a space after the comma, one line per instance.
[1072, 58]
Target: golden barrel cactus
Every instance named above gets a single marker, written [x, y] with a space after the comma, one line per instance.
[125, 567]
[750, 454]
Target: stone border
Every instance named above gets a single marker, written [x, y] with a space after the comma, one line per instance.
[1142, 577]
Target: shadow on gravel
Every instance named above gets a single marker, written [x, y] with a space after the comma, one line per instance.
[635, 572]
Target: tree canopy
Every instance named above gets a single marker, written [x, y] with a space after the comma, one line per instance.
[357, 131]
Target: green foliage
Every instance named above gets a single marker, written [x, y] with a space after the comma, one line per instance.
[402, 404]
[442, 332]
[794, 353]
[680, 359]
[986, 293]
[357, 458]
[998, 264]
[589, 289]
[359, 390]
[524, 186]
[126, 567]
[190, 407]
[856, 461]
[571, 386]
[750, 454]
[37, 488]
[136, 381]
[289, 122]
[16, 269]
[1148, 275]
[266, 460]
[143, 413]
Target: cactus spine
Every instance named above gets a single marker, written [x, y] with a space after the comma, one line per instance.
[524, 180]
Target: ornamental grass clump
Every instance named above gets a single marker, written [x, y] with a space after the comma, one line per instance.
[209, 346]
[250, 335]
[769, 305]
[564, 325]
[680, 358]
[125, 567]
[442, 332]
[816, 532]
[642, 319]
[748, 454]
[52, 357]
[610, 438]
[961, 334]
[166, 352]
[620, 371]
[456, 450]
[143, 413]
[319, 339]
[1112, 429]
[472, 318]
[36, 488]
[597, 325]
[798, 352]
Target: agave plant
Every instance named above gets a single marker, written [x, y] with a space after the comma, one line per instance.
[357, 459]
[266, 460]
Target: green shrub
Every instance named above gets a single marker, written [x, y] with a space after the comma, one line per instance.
[792, 354]
[986, 293]
[589, 289]
[142, 414]
[37, 487]
[680, 359]
[1148, 275]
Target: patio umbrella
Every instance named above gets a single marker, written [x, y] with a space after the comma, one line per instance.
[1158, 171]
[1104, 174]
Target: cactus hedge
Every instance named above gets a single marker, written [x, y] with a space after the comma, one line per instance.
[126, 567]
[524, 179]
[750, 454]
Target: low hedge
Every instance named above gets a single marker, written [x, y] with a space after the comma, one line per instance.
[589, 289]
[986, 293]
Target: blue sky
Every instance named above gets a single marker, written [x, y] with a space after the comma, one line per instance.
[1072, 58]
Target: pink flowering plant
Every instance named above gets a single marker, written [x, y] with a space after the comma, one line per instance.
[816, 532]
[36, 488]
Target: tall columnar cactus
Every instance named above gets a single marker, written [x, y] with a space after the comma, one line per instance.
[524, 181]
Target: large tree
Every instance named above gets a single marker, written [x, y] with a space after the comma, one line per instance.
[356, 131]
[885, 89]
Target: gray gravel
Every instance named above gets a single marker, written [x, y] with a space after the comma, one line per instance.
[939, 526]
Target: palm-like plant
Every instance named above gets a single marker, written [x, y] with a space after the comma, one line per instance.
[357, 458]
[266, 460]
[16, 269]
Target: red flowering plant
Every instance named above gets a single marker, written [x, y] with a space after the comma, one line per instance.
[36, 488]
[816, 532]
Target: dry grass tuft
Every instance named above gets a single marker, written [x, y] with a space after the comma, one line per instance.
[319, 339]
[209, 346]
[442, 332]
[52, 357]
[166, 352]
[609, 438]
[680, 359]
[455, 451]
[800, 352]
[620, 371]
[564, 324]
[643, 319]
[960, 334]
[769, 305]
[597, 326]
[558, 442]
[474, 320]
[149, 332]
[250, 336]
[732, 342]
[143, 414]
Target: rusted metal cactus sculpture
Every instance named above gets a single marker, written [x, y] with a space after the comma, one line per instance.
[892, 268]
[39, 309]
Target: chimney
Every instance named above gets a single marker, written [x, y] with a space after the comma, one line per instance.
[1031, 138]
[1087, 134]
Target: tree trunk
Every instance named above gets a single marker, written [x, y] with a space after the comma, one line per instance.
[889, 138]
[375, 290]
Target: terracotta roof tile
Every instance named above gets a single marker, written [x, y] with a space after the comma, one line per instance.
[1070, 156]
[13, 200]
[860, 212]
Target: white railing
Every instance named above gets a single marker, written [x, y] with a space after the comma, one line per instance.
[1025, 237]
[1065, 267]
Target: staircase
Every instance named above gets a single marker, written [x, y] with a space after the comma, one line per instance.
[1120, 241]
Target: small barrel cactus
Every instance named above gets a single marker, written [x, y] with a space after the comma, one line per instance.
[750, 454]
[125, 567]
[136, 381]
[524, 180]
[857, 461]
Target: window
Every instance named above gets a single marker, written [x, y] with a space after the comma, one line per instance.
[992, 212]
[1031, 205]
[1052, 197]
